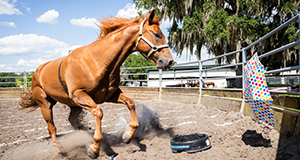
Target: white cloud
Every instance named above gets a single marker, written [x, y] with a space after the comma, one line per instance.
[74, 47]
[8, 24]
[29, 44]
[28, 9]
[2, 66]
[8, 7]
[30, 51]
[84, 22]
[129, 11]
[8, 68]
[166, 23]
[48, 17]
[31, 63]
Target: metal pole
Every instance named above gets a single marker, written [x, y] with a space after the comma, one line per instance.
[244, 55]
[299, 49]
[200, 80]
[297, 130]
[148, 79]
[160, 83]
[25, 81]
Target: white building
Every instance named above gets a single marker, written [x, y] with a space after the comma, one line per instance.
[187, 75]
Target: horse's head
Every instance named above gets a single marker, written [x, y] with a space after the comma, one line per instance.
[152, 44]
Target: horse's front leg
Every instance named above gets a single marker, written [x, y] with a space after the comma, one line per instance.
[83, 100]
[119, 97]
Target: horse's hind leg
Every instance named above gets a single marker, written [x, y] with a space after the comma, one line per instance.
[120, 97]
[73, 118]
[46, 104]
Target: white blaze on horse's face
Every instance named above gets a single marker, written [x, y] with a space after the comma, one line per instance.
[152, 45]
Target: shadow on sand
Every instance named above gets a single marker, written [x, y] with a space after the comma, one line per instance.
[287, 149]
[254, 139]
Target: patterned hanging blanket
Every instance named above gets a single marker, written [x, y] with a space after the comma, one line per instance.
[257, 93]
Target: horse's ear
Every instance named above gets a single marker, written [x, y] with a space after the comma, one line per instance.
[151, 17]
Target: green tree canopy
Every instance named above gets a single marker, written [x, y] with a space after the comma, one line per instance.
[10, 81]
[135, 60]
[228, 25]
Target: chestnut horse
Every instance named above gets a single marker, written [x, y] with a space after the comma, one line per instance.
[209, 83]
[90, 75]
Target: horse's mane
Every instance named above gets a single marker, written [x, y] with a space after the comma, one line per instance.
[108, 25]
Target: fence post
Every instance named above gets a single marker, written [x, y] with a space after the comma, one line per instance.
[25, 81]
[244, 56]
[297, 131]
[200, 80]
[160, 83]
[299, 48]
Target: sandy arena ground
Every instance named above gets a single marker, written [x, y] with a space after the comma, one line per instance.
[24, 135]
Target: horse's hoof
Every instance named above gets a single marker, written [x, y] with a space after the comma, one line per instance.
[92, 154]
[126, 138]
[58, 149]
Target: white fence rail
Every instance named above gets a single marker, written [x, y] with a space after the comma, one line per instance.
[161, 78]
[9, 80]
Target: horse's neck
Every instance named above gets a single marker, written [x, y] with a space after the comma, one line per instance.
[115, 48]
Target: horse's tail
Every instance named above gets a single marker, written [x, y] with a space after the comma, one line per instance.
[28, 101]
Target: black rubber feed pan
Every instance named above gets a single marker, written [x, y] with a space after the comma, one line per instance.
[190, 143]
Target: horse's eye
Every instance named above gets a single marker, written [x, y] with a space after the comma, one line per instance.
[158, 35]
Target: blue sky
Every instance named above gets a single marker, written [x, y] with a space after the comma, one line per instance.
[34, 31]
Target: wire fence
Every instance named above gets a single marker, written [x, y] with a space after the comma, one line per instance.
[15, 80]
[193, 74]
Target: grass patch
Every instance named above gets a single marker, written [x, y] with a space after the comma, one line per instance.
[289, 95]
[293, 109]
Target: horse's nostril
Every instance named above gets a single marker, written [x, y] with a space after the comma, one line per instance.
[171, 63]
